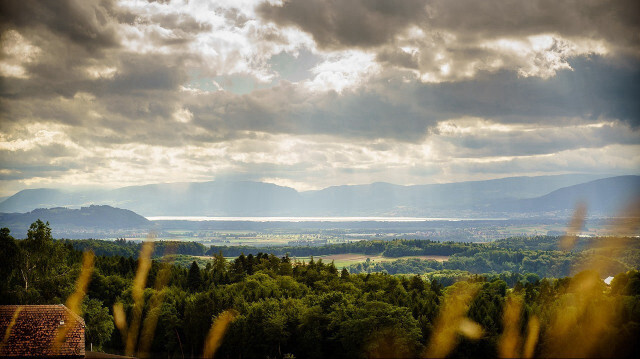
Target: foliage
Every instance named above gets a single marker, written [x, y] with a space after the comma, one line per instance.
[393, 248]
[194, 278]
[129, 248]
[98, 321]
[287, 308]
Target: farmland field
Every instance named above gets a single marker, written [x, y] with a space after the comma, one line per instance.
[347, 259]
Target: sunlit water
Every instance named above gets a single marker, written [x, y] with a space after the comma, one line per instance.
[309, 219]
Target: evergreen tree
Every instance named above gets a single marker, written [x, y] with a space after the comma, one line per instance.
[194, 279]
[8, 254]
[436, 287]
[344, 273]
[417, 283]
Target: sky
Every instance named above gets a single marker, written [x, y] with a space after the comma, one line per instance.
[312, 93]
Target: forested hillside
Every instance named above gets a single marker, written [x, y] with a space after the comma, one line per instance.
[85, 219]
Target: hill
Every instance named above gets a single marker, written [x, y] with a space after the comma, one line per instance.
[66, 222]
[459, 199]
[604, 196]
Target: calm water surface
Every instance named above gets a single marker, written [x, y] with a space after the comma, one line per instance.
[311, 219]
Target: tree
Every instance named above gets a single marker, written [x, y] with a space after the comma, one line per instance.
[417, 283]
[8, 254]
[34, 253]
[218, 267]
[345, 273]
[98, 321]
[194, 278]
[331, 268]
[436, 287]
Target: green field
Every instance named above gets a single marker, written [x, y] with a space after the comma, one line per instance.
[339, 260]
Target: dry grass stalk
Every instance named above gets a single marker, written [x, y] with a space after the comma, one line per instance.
[568, 241]
[74, 302]
[151, 320]
[533, 332]
[452, 321]
[579, 321]
[120, 319]
[579, 324]
[510, 341]
[7, 332]
[216, 333]
[137, 292]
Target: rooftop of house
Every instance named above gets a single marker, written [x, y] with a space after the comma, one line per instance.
[31, 331]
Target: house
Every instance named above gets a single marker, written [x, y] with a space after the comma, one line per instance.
[31, 331]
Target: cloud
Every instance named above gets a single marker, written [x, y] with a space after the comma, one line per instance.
[374, 23]
[611, 21]
[608, 160]
[315, 93]
[308, 161]
[89, 24]
[478, 138]
[340, 24]
[138, 104]
[448, 41]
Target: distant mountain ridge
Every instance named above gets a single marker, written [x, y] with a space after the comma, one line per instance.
[605, 195]
[499, 197]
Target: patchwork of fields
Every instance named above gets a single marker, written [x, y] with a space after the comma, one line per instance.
[347, 259]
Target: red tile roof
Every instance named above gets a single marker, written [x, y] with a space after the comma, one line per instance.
[31, 330]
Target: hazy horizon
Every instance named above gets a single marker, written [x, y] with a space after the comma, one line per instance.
[81, 188]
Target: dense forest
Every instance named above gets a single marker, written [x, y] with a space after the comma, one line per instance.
[537, 254]
[267, 305]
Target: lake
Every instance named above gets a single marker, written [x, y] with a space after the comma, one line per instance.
[314, 219]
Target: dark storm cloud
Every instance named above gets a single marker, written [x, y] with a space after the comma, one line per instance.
[75, 35]
[336, 24]
[139, 100]
[616, 21]
[144, 86]
[595, 87]
[139, 92]
[183, 28]
[70, 36]
[363, 23]
[138, 103]
[35, 162]
[286, 109]
[147, 72]
[399, 58]
[182, 22]
[87, 23]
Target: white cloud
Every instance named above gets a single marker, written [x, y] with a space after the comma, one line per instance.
[343, 70]
[183, 115]
[541, 55]
[17, 52]
[312, 162]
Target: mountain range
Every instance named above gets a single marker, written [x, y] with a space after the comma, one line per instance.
[513, 196]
